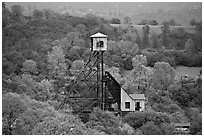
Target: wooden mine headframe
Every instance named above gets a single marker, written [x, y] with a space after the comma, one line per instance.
[92, 76]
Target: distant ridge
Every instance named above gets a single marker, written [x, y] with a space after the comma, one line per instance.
[181, 12]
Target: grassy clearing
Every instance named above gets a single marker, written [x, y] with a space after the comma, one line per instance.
[190, 71]
[180, 71]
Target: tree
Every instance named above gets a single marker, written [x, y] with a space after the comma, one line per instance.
[143, 22]
[163, 75]
[8, 67]
[172, 22]
[113, 47]
[190, 46]
[128, 47]
[145, 39]
[35, 113]
[47, 13]
[150, 129]
[154, 42]
[127, 21]
[15, 58]
[75, 53]
[165, 31]
[148, 22]
[5, 15]
[81, 28]
[108, 123]
[17, 13]
[141, 75]
[115, 21]
[193, 22]
[127, 63]
[91, 21]
[130, 34]
[37, 14]
[198, 40]
[139, 60]
[63, 124]
[74, 39]
[56, 62]
[195, 116]
[77, 67]
[46, 87]
[169, 60]
[153, 22]
[141, 120]
[29, 66]
[12, 108]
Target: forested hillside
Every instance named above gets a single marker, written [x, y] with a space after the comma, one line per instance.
[43, 53]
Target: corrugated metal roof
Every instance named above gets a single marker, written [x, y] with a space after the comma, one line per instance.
[99, 35]
[137, 96]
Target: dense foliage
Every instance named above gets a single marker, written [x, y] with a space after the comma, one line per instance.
[43, 54]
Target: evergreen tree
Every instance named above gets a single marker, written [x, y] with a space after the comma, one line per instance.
[56, 62]
[165, 31]
[190, 46]
[138, 41]
[37, 14]
[145, 40]
[16, 13]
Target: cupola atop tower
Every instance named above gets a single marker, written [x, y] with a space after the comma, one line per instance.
[99, 42]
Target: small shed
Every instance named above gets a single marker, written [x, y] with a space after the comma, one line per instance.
[181, 128]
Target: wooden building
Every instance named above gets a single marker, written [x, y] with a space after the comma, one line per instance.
[125, 102]
[132, 102]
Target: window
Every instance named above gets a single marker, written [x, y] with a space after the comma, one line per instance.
[99, 44]
[127, 105]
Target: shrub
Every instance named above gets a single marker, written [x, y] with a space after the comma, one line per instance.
[149, 122]
[169, 60]
[107, 122]
[62, 124]
[150, 129]
[12, 108]
[137, 119]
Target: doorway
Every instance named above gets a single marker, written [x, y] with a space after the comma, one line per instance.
[137, 106]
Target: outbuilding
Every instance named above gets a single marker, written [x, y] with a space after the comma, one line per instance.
[132, 102]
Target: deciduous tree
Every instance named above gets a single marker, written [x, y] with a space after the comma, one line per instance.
[56, 62]
[12, 108]
[17, 13]
[37, 14]
[165, 31]
[190, 46]
[163, 75]
[29, 66]
[77, 67]
[127, 21]
[145, 39]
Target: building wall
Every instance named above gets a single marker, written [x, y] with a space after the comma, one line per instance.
[95, 40]
[142, 104]
[126, 98]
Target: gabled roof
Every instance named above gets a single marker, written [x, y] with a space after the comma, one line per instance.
[100, 35]
[137, 96]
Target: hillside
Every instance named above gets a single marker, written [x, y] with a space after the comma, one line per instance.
[52, 82]
[156, 29]
[181, 12]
